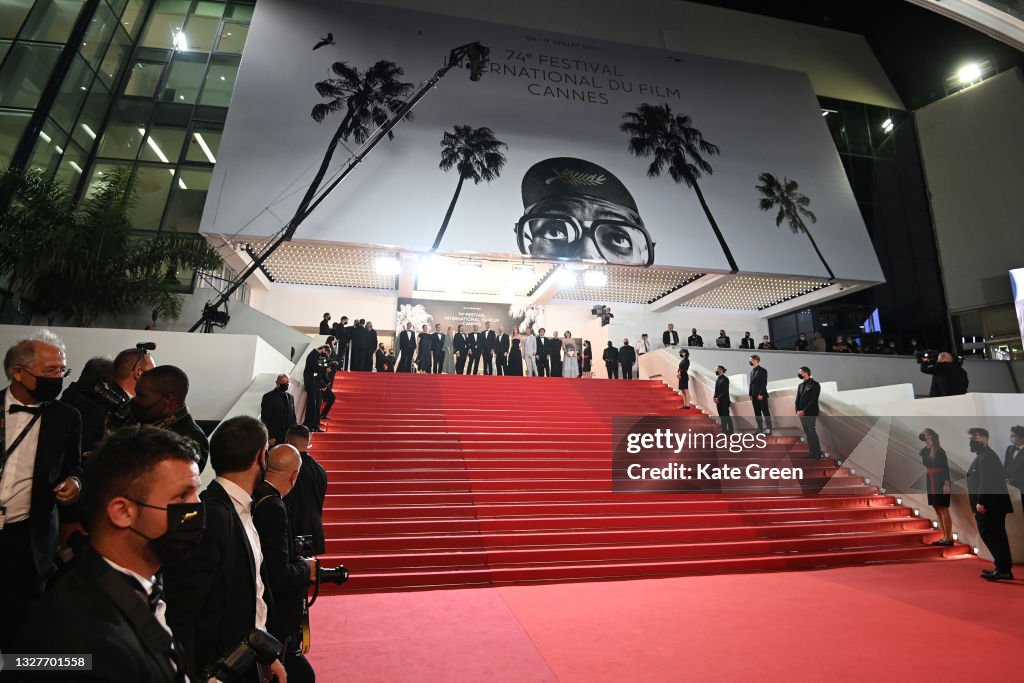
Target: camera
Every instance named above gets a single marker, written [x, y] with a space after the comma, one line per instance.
[259, 647]
[335, 575]
[119, 410]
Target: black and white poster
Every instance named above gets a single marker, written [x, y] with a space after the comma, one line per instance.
[447, 314]
[565, 149]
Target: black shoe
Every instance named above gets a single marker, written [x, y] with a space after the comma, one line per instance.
[988, 572]
[943, 542]
[999, 576]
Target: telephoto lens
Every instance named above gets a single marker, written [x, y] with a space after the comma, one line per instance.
[336, 575]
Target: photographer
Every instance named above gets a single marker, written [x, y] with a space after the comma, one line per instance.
[81, 396]
[948, 378]
[288, 574]
[306, 500]
[160, 401]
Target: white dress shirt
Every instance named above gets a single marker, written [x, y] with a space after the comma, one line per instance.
[16, 485]
[243, 507]
[642, 347]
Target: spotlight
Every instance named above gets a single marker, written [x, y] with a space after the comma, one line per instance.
[387, 265]
[968, 73]
[566, 278]
[595, 278]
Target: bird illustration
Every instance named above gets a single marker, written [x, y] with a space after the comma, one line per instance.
[329, 40]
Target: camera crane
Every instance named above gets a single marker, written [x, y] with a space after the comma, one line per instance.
[475, 57]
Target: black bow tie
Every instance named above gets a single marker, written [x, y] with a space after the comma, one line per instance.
[18, 408]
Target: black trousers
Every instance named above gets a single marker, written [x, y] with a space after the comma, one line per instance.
[992, 526]
[405, 362]
[20, 586]
[501, 364]
[543, 369]
[438, 362]
[488, 363]
[613, 369]
[474, 363]
[556, 366]
[328, 401]
[627, 371]
[726, 418]
[460, 363]
[312, 402]
[809, 423]
[761, 412]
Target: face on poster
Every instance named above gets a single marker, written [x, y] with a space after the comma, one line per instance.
[569, 187]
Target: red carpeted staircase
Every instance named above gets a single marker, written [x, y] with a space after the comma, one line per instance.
[442, 480]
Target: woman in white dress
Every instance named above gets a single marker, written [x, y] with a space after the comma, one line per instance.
[571, 364]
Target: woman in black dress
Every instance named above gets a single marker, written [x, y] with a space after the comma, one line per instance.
[684, 377]
[515, 356]
[934, 459]
[588, 359]
[425, 350]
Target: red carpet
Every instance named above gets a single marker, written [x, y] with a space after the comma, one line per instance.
[446, 481]
[912, 622]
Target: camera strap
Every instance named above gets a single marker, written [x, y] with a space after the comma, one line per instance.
[257, 503]
[17, 442]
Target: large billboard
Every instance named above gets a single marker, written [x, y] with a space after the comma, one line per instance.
[447, 314]
[611, 152]
[1017, 282]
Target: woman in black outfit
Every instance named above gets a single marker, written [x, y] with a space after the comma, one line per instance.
[684, 377]
[934, 459]
[425, 350]
[588, 360]
[515, 356]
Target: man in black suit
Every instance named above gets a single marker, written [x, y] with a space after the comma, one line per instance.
[94, 410]
[747, 342]
[160, 401]
[406, 348]
[723, 340]
[948, 378]
[723, 400]
[217, 595]
[1014, 460]
[986, 491]
[370, 346]
[358, 339]
[325, 325]
[759, 395]
[694, 339]
[611, 360]
[543, 368]
[670, 337]
[438, 349]
[502, 345]
[277, 410]
[380, 358]
[807, 410]
[766, 344]
[141, 507]
[554, 349]
[488, 348]
[627, 359]
[313, 377]
[474, 347]
[306, 501]
[40, 467]
[288, 574]
[343, 333]
[460, 347]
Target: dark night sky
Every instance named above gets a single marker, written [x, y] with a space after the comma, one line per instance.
[918, 48]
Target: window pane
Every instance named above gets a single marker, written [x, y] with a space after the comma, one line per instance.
[91, 119]
[166, 23]
[210, 8]
[133, 15]
[25, 74]
[12, 126]
[232, 38]
[97, 36]
[12, 14]
[203, 145]
[143, 80]
[72, 93]
[117, 54]
[220, 81]
[52, 21]
[199, 34]
[163, 144]
[4, 47]
[152, 185]
[70, 170]
[186, 207]
[98, 171]
[123, 137]
[49, 148]
[185, 78]
[240, 11]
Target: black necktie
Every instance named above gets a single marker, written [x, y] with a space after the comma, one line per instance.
[18, 408]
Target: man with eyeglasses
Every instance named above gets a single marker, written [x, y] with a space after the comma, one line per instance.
[40, 466]
[577, 210]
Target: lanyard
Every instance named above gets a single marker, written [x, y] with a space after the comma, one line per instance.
[17, 441]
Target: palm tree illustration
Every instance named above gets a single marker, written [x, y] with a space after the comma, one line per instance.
[368, 99]
[792, 206]
[672, 143]
[477, 155]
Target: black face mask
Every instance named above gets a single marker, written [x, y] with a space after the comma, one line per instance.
[975, 446]
[185, 525]
[921, 436]
[751, 363]
[283, 388]
[799, 375]
[47, 388]
[139, 412]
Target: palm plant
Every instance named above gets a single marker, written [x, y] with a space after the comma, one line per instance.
[477, 155]
[369, 99]
[792, 206]
[672, 143]
[86, 261]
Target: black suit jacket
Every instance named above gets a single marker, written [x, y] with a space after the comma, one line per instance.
[439, 339]
[986, 483]
[58, 456]
[758, 382]
[459, 342]
[188, 428]
[542, 346]
[554, 348]
[407, 341]
[747, 343]
[277, 412]
[722, 390]
[670, 338]
[306, 502]
[807, 397]
[325, 328]
[502, 344]
[474, 343]
[1015, 472]
[94, 609]
[380, 359]
[288, 573]
[314, 368]
[490, 339]
[93, 412]
[694, 340]
[948, 379]
[627, 356]
[610, 355]
[211, 594]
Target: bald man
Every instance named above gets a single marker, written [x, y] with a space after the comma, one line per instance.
[948, 378]
[288, 575]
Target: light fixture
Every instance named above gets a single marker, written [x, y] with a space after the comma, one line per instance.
[595, 278]
[46, 138]
[88, 131]
[223, 78]
[565, 278]
[968, 73]
[78, 169]
[887, 126]
[180, 41]
[203, 146]
[917, 513]
[387, 265]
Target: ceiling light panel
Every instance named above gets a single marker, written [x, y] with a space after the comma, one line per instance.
[745, 292]
[627, 285]
[328, 266]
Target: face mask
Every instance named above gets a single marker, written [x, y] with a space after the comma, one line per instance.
[975, 446]
[799, 375]
[47, 388]
[283, 388]
[765, 340]
[139, 412]
[682, 355]
[921, 436]
[751, 363]
[185, 525]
